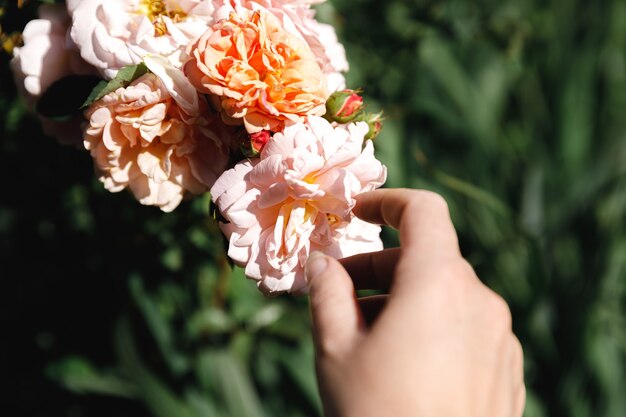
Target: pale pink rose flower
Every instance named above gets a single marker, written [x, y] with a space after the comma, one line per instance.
[71, 5]
[298, 198]
[259, 74]
[46, 56]
[162, 145]
[330, 52]
[298, 18]
[114, 33]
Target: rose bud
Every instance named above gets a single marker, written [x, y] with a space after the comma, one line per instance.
[255, 143]
[344, 106]
[375, 123]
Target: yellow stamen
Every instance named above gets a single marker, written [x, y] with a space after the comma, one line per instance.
[155, 10]
[332, 219]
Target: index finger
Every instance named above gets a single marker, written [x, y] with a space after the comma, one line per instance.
[421, 217]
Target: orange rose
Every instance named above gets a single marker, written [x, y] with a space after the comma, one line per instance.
[260, 74]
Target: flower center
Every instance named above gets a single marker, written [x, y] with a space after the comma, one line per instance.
[156, 10]
[332, 219]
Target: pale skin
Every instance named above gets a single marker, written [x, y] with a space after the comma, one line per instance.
[440, 344]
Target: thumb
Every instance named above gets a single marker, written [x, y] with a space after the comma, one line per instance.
[335, 313]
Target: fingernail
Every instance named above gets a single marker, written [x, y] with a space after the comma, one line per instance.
[315, 265]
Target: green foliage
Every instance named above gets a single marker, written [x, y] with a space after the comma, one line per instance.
[125, 76]
[512, 109]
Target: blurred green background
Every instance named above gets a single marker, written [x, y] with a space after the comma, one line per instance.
[514, 110]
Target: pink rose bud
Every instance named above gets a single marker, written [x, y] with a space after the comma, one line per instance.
[255, 143]
[375, 123]
[259, 139]
[344, 106]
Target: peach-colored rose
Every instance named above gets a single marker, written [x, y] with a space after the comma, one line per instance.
[161, 148]
[114, 33]
[261, 74]
[298, 18]
[298, 198]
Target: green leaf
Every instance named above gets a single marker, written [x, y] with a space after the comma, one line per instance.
[203, 405]
[78, 375]
[209, 321]
[63, 99]
[95, 94]
[14, 116]
[124, 77]
[222, 374]
[233, 384]
[293, 324]
[158, 398]
[159, 327]
[299, 364]
[245, 297]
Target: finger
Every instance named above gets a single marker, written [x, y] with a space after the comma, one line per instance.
[517, 361]
[374, 270]
[520, 401]
[421, 217]
[336, 317]
[518, 377]
[371, 307]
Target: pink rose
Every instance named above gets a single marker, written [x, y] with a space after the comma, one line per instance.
[46, 56]
[114, 33]
[155, 139]
[260, 75]
[298, 198]
[330, 52]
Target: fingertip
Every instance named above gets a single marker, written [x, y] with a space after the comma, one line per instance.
[422, 218]
[335, 314]
[327, 279]
[315, 266]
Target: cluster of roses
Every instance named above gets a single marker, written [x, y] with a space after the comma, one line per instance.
[244, 98]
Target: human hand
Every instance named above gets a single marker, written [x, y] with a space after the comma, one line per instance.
[441, 344]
